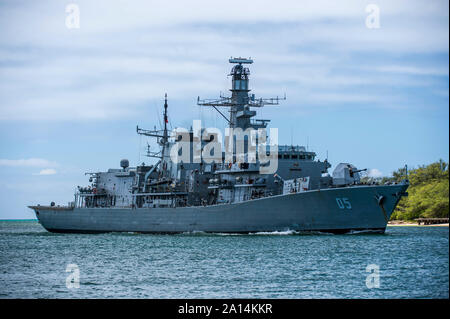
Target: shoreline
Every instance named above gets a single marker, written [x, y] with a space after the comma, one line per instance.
[398, 223]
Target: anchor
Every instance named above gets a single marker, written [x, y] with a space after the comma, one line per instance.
[380, 200]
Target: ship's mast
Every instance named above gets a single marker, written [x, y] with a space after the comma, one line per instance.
[165, 135]
[162, 136]
[240, 100]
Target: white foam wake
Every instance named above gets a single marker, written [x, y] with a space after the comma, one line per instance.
[277, 233]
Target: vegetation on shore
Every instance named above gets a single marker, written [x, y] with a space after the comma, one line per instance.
[428, 192]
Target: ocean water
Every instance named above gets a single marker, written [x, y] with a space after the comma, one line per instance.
[412, 262]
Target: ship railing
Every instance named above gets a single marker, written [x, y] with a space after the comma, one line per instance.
[80, 197]
[167, 199]
[92, 194]
[237, 167]
[161, 194]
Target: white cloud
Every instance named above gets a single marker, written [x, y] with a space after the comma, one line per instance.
[414, 70]
[373, 172]
[125, 54]
[47, 171]
[30, 162]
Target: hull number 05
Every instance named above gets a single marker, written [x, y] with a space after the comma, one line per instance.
[343, 203]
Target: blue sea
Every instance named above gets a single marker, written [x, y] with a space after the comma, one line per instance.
[408, 262]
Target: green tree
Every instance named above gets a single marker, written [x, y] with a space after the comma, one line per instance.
[428, 192]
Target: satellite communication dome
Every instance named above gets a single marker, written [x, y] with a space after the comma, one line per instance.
[124, 163]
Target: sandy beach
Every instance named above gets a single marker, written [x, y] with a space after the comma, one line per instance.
[412, 223]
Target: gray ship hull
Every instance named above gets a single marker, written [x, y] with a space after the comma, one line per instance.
[335, 210]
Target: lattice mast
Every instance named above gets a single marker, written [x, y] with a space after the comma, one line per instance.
[162, 136]
[240, 101]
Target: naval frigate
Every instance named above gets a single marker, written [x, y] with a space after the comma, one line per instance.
[195, 187]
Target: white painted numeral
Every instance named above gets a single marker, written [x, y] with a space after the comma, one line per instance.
[343, 203]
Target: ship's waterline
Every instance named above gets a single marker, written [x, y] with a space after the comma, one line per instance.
[307, 211]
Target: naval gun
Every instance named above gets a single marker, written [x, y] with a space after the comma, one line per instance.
[346, 174]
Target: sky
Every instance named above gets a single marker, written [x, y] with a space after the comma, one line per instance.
[365, 86]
